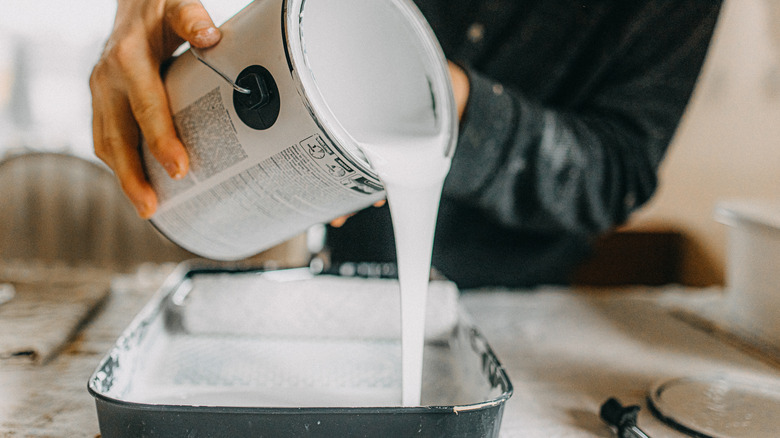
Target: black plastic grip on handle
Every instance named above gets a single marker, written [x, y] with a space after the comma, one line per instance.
[260, 108]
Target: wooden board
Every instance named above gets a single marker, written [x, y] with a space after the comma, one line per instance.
[50, 304]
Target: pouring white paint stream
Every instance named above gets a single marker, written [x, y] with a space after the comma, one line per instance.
[404, 138]
[413, 170]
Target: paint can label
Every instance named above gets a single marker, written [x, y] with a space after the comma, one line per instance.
[267, 165]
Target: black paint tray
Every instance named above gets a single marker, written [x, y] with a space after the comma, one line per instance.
[229, 351]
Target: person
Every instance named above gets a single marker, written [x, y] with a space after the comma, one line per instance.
[566, 110]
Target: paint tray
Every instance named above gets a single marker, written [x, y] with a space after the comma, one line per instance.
[230, 351]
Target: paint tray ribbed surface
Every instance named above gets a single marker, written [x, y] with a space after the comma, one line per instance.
[229, 351]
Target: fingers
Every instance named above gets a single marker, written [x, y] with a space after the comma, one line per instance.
[339, 221]
[149, 104]
[116, 138]
[460, 87]
[190, 20]
[128, 93]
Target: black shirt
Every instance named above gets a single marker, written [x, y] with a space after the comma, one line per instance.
[571, 109]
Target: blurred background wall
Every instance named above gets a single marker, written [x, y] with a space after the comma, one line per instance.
[728, 145]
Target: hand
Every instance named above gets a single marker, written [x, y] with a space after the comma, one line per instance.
[128, 95]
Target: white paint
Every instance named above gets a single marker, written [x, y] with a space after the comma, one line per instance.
[276, 397]
[413, 170]
[381, 85]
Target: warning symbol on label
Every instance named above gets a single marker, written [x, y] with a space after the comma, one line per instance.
[336, 170]
[316, 151]
[316, 147]
[339, 168]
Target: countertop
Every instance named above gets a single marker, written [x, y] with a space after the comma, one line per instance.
[566, 350]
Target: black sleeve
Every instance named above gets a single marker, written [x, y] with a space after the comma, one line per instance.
[585, 168]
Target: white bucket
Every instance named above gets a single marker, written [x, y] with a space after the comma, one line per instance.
[753, 268]
[332, 72]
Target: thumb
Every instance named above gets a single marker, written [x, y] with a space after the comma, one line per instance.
[190, 20]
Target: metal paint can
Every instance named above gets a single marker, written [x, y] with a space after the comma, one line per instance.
[267, 165]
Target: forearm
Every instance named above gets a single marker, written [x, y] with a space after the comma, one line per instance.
[584, 166]
[523, 164]
[535, 167]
